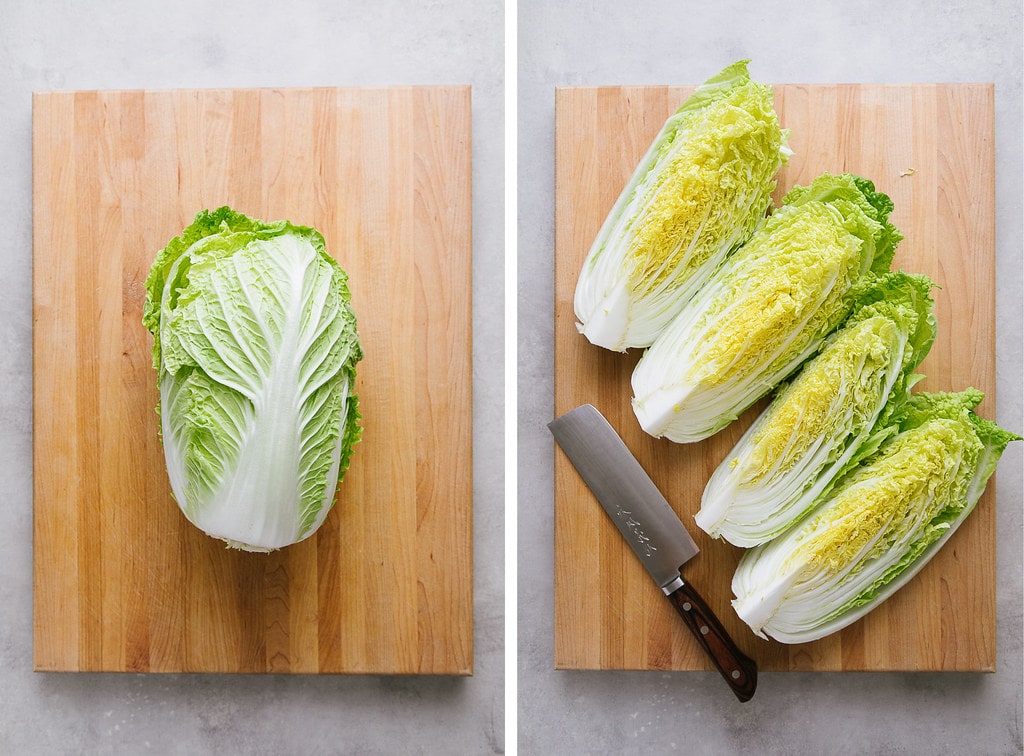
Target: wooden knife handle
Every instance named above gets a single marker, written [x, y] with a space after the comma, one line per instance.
[739, 670]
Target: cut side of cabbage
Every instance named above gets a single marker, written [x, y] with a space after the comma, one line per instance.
[836, 410]
[701, 189]
[880, 525]
[255, 347]
[766, 309]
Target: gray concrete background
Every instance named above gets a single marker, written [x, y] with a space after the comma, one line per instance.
[61, 44]
[667, 42]
[123, 44]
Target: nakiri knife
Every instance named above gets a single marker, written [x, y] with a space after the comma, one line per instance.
[653, 531]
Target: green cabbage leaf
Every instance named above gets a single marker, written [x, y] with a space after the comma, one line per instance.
[882, 522]
[700, 191]
[837, 409]
[767, 309]
[255, 347]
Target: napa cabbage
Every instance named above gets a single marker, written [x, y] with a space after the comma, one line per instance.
[883, 521]
[255, 347]
[837, 409]
[766, 309]
[701, 189]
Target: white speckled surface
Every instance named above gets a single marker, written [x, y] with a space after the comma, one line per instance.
[120, 44]
[595, 43]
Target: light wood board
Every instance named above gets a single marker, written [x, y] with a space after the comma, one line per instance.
[930, 148]
[121, 581]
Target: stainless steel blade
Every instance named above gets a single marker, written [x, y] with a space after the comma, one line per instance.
[626, 492]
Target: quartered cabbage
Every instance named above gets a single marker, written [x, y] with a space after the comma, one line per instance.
[879, 526]
[255, 346]
[766, 309]
[838, 409]
[701, 189]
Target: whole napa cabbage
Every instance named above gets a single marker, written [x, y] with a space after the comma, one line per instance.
[255, 346]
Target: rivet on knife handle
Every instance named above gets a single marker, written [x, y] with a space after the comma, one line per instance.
[738, 669]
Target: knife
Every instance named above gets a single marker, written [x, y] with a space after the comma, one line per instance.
[653, 531]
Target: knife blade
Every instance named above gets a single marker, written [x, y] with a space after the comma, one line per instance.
[653, 531]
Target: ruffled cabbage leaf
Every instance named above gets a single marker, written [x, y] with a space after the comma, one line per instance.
[255, 347]
[837, 409]
[701, 189]
[767, 309]
[881, 524]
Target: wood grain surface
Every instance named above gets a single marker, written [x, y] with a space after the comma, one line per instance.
[121, 581]
[930, 147]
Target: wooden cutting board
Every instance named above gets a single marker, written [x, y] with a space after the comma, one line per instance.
[930, 147]
[122, 581]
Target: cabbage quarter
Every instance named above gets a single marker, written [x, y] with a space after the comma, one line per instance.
[700, 191]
